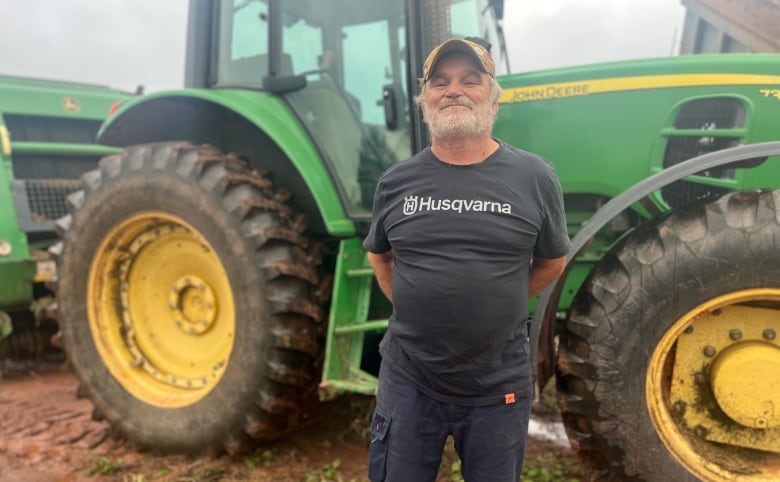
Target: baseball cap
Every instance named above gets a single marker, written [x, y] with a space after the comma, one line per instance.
[468, 47]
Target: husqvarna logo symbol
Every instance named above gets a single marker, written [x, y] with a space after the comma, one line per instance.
[410, 205]
[71, 104]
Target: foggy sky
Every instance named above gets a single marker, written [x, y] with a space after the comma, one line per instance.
[124, 43]
[555, 33]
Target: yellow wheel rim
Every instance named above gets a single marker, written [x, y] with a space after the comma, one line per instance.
[161, 310]
[712, 386]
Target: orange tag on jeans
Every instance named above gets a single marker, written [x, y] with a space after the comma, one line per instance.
[509, 398]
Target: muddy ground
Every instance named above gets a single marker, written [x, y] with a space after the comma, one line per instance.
[47, 435]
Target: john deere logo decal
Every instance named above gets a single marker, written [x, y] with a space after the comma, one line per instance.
[71, 104]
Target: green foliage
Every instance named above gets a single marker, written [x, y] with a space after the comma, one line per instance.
[454, 474]
[263, 458]
[104, 466]
[550, 467]
[543, 468]
[327, 473]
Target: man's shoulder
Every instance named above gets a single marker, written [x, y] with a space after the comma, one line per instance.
[531, 164]
[522, 155]
[404, 167]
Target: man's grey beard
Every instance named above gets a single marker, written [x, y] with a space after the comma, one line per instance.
[466, 123]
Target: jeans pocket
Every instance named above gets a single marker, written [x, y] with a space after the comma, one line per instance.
[377, 453]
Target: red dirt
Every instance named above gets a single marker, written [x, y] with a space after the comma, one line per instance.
[47, 435]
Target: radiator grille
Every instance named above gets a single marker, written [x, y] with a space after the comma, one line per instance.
[38, 128]
[713, 113]
[46, 197]
[704, 116]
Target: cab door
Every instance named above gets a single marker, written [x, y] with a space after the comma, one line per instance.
[356, 103]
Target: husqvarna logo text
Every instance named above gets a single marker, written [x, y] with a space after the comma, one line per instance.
[415, 204]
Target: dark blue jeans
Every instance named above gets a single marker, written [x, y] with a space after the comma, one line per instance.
[409, 430]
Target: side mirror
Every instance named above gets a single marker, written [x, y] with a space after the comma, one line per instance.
[389, 104]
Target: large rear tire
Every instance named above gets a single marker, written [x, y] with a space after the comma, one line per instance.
[187, 300]
[669, 364]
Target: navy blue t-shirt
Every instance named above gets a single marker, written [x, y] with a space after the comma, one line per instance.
[462, 238]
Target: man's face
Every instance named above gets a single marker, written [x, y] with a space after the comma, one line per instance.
[457, 99]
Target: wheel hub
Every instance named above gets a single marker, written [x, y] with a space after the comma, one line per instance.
[192, 305]
[726, 377]
[745, 380]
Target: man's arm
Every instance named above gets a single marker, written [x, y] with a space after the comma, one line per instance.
[383, 269]
[543, 272]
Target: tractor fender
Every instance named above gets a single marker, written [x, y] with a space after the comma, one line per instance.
[233, 119]
[542, 324]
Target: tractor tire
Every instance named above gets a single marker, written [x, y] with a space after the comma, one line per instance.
[187, 300]
[669, 364]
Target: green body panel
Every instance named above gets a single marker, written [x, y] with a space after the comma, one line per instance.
[605, 141]
[55, 98]
[37, 136]
[16, 268]
[271, 116]
[16, 287]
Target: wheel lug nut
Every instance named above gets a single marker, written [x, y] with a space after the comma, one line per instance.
[735, 334]
[700, 378]
[679, 408]
[700, 431]
[769, 334]
[709, 351]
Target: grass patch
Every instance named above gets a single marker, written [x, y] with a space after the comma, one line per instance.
[547, 467]
[551, 467]
[104, 466]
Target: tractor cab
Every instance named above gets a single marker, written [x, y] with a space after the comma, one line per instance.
[347, 68]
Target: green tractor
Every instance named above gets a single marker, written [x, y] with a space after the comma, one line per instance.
[48, 132]
[212, 280]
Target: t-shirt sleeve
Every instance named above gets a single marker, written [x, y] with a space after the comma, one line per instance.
[376, 240]
[553, 240]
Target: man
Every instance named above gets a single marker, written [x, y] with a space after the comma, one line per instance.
[462, 234]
